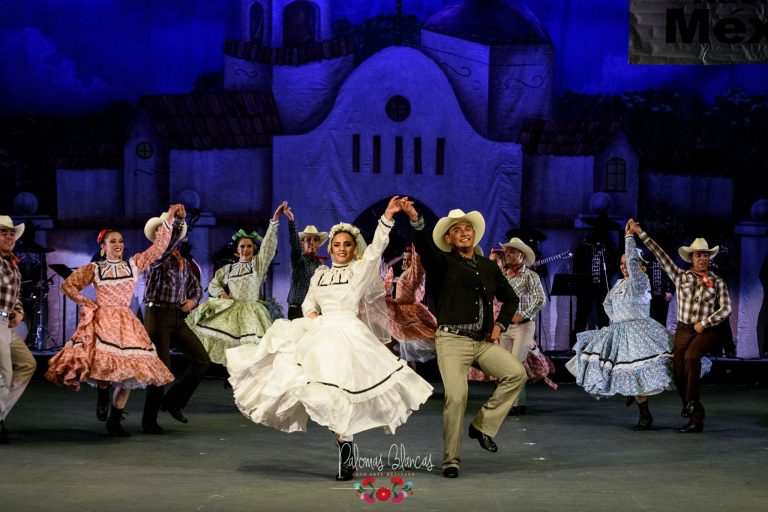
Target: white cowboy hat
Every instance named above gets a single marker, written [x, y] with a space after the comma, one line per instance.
[7, 223]
[152, 224]
[312, 231]
[698, 245]
[454, 216]
[516, 243]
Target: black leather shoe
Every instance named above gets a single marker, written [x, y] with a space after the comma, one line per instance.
[486, 442]
[151, 427]
[176, 413]
[451, 472]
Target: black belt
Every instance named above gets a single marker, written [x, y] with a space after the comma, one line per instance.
[458, 332]
[153, 304]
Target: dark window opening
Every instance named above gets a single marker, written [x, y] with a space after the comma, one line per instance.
[417, 155]
[356, 152]
[398, 108]
[377, 154]
[256, 21]
[616, 175]
[300, 24]
[440, 157]
[398, 155]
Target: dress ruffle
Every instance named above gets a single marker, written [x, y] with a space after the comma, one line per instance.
[628, 358]
[331, 369]
[109, 345]
[221, 324]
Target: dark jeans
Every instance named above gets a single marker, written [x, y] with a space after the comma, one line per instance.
[689, 347]
[165, 325]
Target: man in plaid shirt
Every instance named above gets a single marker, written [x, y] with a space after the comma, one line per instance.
[527, 285]
[173, 290]
[702, 303]
[17, 365]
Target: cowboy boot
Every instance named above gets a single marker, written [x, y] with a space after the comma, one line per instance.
[646, 420]
[346, 462]
[114, 428]
[696, 421]
[688, 409]
[102, 404]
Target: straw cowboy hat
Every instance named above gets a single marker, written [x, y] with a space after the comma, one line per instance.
[152, 224]
[7, 223]
[698, 245]
[312, 231]
[516, 243]
[455, 216]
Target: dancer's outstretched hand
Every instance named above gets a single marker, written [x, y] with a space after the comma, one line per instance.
[392, 208]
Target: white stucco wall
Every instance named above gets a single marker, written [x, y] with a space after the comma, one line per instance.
[229, 182]
[305, 94]
[314, 171]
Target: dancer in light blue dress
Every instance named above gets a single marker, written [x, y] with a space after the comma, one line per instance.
[633, 355]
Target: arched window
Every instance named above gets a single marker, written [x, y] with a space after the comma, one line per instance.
[256, 23]
[616, 175]
[300, 23]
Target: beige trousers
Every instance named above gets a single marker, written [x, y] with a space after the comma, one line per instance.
[17, 365]
[517, 339]
[455, 354]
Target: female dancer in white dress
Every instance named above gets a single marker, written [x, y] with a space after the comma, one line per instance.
[329, 365]
[234, 315]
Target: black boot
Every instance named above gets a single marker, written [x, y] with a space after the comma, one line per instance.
[688, 409]
[102, 403]
[646, 420]
[114, 428]
[696, 421]
[346, 462]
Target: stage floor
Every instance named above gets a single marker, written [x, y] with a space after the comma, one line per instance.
[570, 452]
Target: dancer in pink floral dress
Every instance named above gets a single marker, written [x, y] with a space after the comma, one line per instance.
[110, 345]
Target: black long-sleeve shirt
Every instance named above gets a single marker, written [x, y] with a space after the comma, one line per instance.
[461, 287]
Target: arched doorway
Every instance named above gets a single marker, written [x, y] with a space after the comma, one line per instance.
[301, 23]
[401, 235]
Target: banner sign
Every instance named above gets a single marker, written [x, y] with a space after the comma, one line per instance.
[698, 31]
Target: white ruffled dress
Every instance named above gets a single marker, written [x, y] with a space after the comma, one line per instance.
[332, 369]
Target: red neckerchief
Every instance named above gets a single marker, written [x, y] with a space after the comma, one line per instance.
[13, 260]
[176, 254]
[705, 279]
[514, 273]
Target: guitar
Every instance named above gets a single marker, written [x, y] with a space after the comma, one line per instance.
[562, 256]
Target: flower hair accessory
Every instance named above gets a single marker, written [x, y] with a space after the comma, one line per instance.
[353, 231]
[343, 227]
[253, 235]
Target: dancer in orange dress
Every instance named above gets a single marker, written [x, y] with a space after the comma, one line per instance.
[410, 321]
[110, 345]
